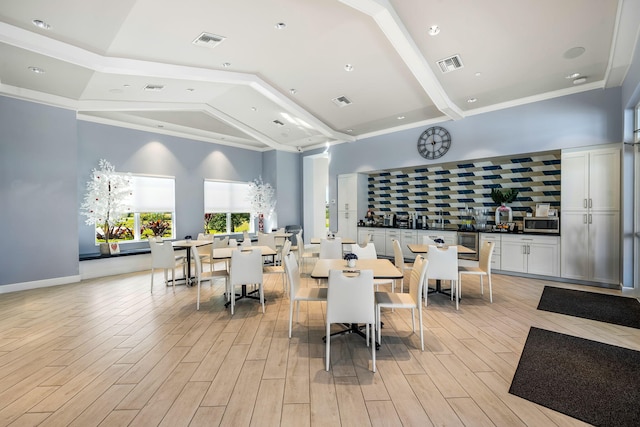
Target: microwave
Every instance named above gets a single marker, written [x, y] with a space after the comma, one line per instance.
[542, 224]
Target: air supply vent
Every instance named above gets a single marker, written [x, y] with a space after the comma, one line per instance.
[153, 88]
[278, 123]
[341, 101]
[208, 40]
[450, 64]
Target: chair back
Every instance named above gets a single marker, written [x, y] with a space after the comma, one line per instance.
[366, 252]
[267, 240]
[418, 278]
[331, 248]
[286, 248]
[293, 274]
[295, 230]
[298, 242]
[202, 236]
[398, 256]
[221, 243]
[443, 263]
[162, 254]
[246, 239]
[350, 299]
[233, 243]
[366, 240]
[486, 252]
[195, 254]
[246, 267]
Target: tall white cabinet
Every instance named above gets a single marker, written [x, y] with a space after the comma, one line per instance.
[590, 215]
[352, 203]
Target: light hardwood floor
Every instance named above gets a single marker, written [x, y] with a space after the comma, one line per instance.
[107, 352]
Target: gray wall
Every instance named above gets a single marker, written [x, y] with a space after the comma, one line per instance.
[38, 197]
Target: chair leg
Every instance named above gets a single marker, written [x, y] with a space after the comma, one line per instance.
[327, 346]
[261, 289]
[378, 323]
[151, 280]
[490, 290]
[373, 350]
[421, 328]
[413, 320]
[291, 302]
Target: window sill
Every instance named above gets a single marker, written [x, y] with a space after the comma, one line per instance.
[127, 252]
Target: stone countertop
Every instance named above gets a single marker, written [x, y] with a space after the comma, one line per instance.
[455, 228]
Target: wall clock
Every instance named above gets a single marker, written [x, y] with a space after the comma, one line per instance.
[434, 142]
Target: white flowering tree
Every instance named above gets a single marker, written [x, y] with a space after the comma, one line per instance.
[108, 198]
[261, 199]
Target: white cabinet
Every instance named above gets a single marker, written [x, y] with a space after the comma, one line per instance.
[590, 215]
[352, 203]
[392, 234]
[449, 237]
[493, 237]
[408, 237]
[379, 238]
[530, 254]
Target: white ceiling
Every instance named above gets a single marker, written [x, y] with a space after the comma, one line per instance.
[98, 57]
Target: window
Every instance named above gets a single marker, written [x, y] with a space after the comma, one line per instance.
[152, 211]
[226, 207]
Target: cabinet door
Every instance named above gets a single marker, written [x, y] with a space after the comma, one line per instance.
[514, 255]
[378, 238]
[348, 224]
[495, 258]
[574, 252]
[604, 182]
[575, 175]
[543, 259]
[347, 192]
[604, 242]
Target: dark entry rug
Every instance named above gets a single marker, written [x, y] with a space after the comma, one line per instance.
[590, 305]
[591, 381]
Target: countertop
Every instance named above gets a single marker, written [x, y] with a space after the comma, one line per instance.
[455, 228]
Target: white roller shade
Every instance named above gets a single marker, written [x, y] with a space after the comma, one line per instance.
[222, 196]
[152, 194]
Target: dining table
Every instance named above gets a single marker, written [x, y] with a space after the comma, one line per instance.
[382, 269]
[423, 249]
[345, 240]
[188, 244]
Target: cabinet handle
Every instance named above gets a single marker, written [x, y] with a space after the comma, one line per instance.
[346, 215]
[528, 250]
[346, 206]
[589, 218]
[584, 218]
[584, 203]
[590, 203]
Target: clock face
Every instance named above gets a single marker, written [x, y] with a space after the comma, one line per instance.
[434, 142]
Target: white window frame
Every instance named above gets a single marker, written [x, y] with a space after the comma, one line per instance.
[227, 197]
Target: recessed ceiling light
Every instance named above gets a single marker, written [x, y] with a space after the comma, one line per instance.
[115, 90]
[400, 117]
[126, 85]
[190, 89]
[348, 67]
[36, 70]
[572, 76]
[281, 26]
[574, 52]
[160, 126]
[293, 91]
[471, 100]
[579, 80]
[478, 74]
[226, 64]
[349, 130]
[254, 109]
[41, 24]
[434, 30]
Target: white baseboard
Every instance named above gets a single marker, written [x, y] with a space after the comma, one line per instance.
[15, 287]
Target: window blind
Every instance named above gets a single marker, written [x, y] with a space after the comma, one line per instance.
[222, 196]
[152, 194]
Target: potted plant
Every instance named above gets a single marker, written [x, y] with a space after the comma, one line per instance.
[502, 197]
[107, 201]
[261, 198]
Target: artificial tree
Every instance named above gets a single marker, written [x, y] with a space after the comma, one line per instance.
[108, 198]
[261, 198]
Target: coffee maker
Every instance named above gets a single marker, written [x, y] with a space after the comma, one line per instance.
[389, 220]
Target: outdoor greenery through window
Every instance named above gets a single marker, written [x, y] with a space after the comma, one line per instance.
[152, 211]
[227, 207]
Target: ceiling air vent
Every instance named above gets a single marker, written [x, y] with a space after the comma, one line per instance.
[208, 40]
[278, 123]
[341, 101]
[450, 64]
[154, 88]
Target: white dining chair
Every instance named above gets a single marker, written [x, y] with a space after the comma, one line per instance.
[331, 248]
[398, 261]
[368, 251]
[430, 240]
[303, 254]
[296, 292]
[246, 239]
[207, 276]
[163, 256]
[482, 270]
[443, 265]
[245, 269]
[269, 239]
[412, 300]
[279, 269]
[350, 299]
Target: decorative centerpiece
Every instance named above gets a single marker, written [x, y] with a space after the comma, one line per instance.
[351, 259]
[502, 197]
[107, 202]
[261, 198]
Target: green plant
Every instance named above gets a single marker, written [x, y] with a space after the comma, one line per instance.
[503, 196]
[158, 227]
